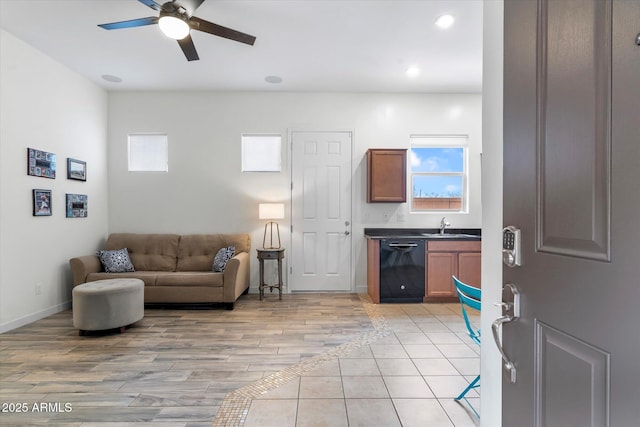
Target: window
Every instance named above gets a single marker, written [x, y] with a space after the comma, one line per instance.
[148, 152]
[438, 173]
[261, 153]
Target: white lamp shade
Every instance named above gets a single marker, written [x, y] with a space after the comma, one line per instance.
[173, 27]
[271, 211]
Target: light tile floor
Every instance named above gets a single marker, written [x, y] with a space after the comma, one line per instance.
[407, 375]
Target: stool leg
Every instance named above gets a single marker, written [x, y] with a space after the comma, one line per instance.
[122, 329]
[469, 387]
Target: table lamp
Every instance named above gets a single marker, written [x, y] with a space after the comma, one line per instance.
[271, 211]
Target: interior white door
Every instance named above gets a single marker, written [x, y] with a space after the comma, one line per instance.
[320, 257]
[571, 175]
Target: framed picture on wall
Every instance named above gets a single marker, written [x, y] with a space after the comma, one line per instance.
[77, 206]
[41, 202]
[76, 169]
[41, 163]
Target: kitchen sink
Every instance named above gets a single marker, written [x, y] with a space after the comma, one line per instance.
[449, 236]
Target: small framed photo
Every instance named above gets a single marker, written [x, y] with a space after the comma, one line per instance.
[77, 206]
[41, 163]
[76, 169]
[41, 202]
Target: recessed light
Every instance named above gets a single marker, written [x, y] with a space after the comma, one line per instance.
[412, 71]
[112, 79]
[445, 21]
[273, 79]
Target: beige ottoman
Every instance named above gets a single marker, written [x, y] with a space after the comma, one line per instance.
[107, 304]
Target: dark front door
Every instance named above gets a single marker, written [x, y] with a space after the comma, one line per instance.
[572, 185]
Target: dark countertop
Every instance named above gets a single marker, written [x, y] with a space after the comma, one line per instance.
[418, 233]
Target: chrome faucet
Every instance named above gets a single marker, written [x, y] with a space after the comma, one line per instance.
[444, 224]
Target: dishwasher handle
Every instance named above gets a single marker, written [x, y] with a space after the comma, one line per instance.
[403, 245]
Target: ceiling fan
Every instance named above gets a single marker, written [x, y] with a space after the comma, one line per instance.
[176, 20]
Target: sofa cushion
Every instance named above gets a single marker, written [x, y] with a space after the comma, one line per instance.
[195, 278]
[222, 257]
[116, 261]
[148, 277]
[197, 251]
[149, 252]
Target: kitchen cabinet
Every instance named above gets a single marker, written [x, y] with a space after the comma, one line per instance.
[373, 270]
[396, 270]
[445, 259]
[386, 176]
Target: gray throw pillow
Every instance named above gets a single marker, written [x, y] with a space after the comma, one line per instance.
[116, 261]
[222, 257]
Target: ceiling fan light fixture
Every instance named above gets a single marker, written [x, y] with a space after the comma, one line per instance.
[173, 27]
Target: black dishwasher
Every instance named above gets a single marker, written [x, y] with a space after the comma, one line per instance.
[402, 263]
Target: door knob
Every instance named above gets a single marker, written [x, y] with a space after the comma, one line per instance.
[346, 232]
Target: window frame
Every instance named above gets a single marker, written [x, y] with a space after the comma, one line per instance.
[441, 141]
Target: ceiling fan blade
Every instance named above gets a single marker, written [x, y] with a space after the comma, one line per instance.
[190, 5]
[189, 49]
[152, 4]
[131, 23]
[218, 30]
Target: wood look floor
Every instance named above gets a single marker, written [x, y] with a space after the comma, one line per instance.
[313, 360]
[173, 368]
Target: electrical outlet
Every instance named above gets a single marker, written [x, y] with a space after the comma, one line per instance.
[386, 217]
[400, 217]
[38, 288]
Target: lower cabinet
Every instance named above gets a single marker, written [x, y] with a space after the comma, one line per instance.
[373, 270]
[445, 259]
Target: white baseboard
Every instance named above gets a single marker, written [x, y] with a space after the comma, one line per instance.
[361, 289]
[30, 318]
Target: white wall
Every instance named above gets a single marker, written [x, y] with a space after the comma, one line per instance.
[45, 106]
[205, 191]
[491, 367]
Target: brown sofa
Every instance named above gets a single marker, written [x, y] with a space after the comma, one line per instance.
[175, 268]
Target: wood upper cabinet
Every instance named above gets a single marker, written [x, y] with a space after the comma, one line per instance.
[445, 259]
[386, 176]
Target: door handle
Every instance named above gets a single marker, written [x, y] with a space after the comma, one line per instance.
[495, 327]
[346, 232]
[510, 311]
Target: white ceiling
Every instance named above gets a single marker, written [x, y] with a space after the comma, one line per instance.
[313, 45]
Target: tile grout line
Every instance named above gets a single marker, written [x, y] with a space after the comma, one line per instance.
[235, 406]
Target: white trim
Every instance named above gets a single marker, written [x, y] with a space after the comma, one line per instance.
[30, 318]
